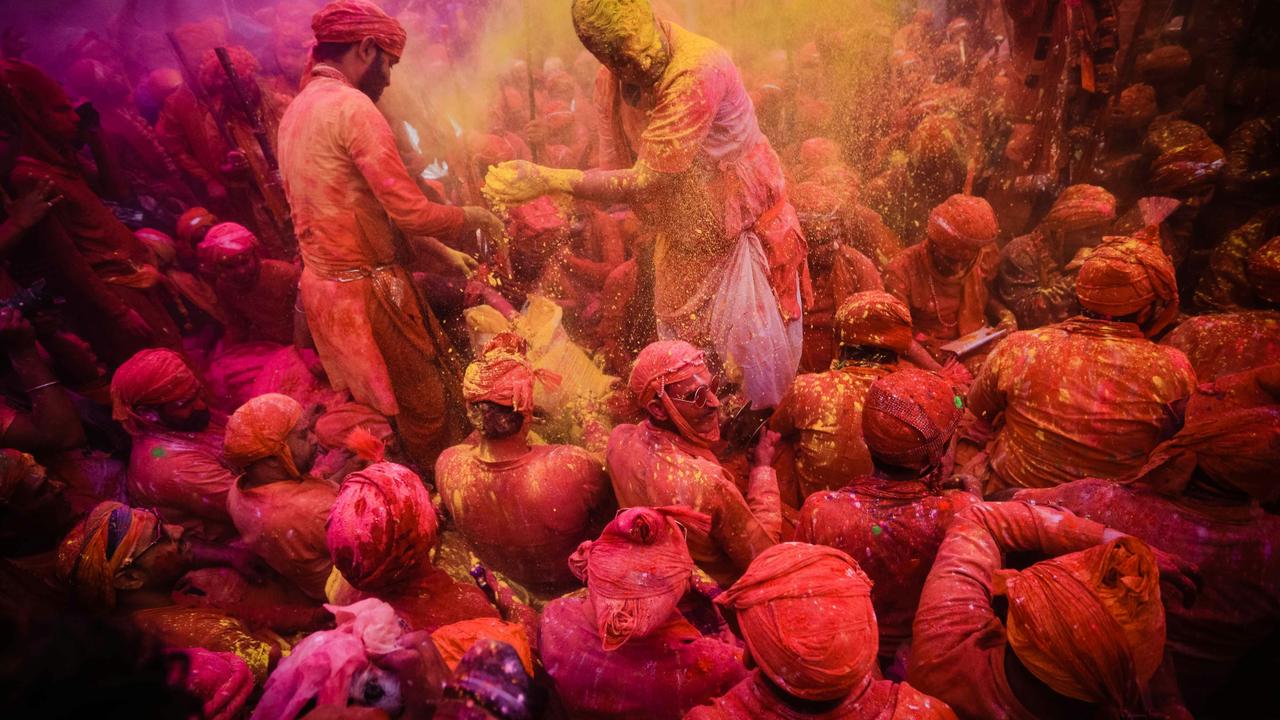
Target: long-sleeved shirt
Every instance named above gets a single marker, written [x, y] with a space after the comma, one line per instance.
[652, 467]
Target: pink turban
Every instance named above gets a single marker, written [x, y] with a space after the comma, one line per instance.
[382, 527]
[806, 615]
[638, 570]
[504, 376]
[214, 79]
[661, 364]
[260, 429]
[151, 377]
[351, 21]
[223, 242]
[962, 222]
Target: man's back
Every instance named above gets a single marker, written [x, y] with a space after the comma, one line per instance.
[525, 517]
[1083, 398]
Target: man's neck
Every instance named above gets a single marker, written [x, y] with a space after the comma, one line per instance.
[266, 472]
[512, 447]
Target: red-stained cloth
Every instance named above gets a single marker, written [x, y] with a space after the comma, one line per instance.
[333, 427]
[223, 242]
[503, 375]
[870, 700]
[942, 308]
[1079, 207]
[260, 429]
[182, 476]
[382, 527]
[284, 524]
[909, 417]
[351, 21]
[850, 273]
[784, 604]
[1264, 271]
[213, 78]
[637, 570]
[193, 223]
[150, 378]
[1124, 276]
[962, 223]
[660, 364]
[221, 681]
[874, 319]
[1227, 343]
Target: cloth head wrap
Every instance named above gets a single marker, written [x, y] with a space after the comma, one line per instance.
[382, 527]
[26, 94]
[151, 377]
[875, 319]
[18, 469]
[260, 429]
[638, 569]
[805, 612]
[1090, 624]
[89, 557]
[962, 223]
[192, 222]
[214, 79]
[935, 146]
[664, 363]
[597, 22]
[909, 417]
[504, 376]
[333, 427]
[1080, 206]
[1264, 271]
[455, 639]
[1124, 276]
[160, 244]
[223, 242]
[1136, 107]
[351, 21]
[1187, 162]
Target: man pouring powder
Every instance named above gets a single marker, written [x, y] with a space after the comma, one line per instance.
[680, 143]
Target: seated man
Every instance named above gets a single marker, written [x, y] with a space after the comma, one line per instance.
[258, 295]
[523, 509]
[1038, 270]
[820, 417]
[175, 464]
[1198, 498]
[805, 612]
[1092, 396]
[279, 510]
[638, 645]
[1084, 632]
[946, 280]
[892, 520]
[667, 460]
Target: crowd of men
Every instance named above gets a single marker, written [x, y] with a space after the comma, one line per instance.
[927, 368]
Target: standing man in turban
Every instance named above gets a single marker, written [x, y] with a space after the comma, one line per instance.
[680, 143]
[626, 649]
[892, 518]
[1038, 270]
[667, 460]
[279, 510]
[258, 294]
[523, 509]
[946, 280]
[820, 418]
[175, 462]
[805, 612]
[1199, 497]
[1091, 396]
[1041, 662]
[351, 198]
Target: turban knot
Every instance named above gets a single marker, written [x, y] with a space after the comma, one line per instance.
[504, 375]
[1081, 206]
[1123, 276]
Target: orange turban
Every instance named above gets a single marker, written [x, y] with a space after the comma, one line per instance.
[1264, 271]
[260, 429]
[936, 145]
[151, 377]
[1188, 161]
[1080, 206]
[663, 363]
[638, 569]
[1136, 107]
[93, 552]
[874, 318]
[192, 223]
[351, 21]
[504, 376]
[18, 469]
[333, 427]
[908, 418]
[962, 223]
[806, 615]
[382, 527]
[1090, 624]
[454, 640]
[223, 242]
[1123, 276]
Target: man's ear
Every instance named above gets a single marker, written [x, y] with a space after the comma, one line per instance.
[131, 578]
[655, 409]
[367, 52]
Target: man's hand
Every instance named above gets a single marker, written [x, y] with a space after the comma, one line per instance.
[15, 332]
[765, 449]
[31, 208]
[235, 165]
[478, 218]
[536, 132]
[515, 181]
[1007, 321]
[461, 262]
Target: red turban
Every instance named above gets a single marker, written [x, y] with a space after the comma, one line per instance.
[260, 429]
[663, 363]
[1136, 107]
[223, 242]
[1080, 206]
[151, 377]
[874, 318]
[962, 223]
[1123, 276]
[638, 570]
[30, 93]
[805, 612]
[816, 200]
[1090, 624]
[936, 145]
[351, 21]
[193, 222]
[214, 79]
[1264, 271]
[333, 427]
[908, 418]
[100, 545]
[382, 527]
[1188, 161]
[819, 152]
[504, 376]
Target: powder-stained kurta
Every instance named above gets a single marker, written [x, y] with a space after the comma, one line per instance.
[871, 700]
[181, 475]
[942, 308]
[1083, 398]
[1228, 343]
[284, 523]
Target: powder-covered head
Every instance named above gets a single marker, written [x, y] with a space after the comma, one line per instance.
[908, 418]
[381, 527]
[351, 21]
